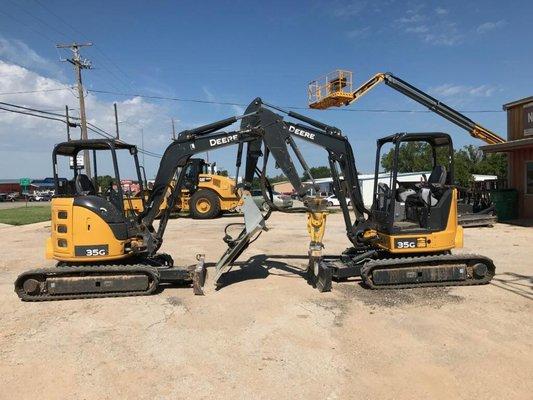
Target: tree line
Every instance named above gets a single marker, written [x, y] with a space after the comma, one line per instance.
[418, 156]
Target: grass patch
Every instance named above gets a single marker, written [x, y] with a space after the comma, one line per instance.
[25, 215]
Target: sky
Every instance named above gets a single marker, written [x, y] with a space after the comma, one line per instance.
[470, 55]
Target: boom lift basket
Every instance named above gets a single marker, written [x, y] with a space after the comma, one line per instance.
[333, 89]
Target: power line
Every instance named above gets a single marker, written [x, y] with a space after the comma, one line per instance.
[35, 91]
[31, 114]
[103, 133]
[224, 103]
[54, 117]
[97, 48]
[64, 35]
[39, 19]
[41, 34]
[35, 110]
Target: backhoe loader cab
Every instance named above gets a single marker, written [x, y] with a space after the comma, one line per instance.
[197, 167]
[98, 217]
[426, 211]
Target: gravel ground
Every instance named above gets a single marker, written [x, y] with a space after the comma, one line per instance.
[267, 334]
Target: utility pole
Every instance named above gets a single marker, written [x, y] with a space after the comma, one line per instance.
[142, 143]
[173, 130]
[116, 120]
[68, 123]
[79, 64]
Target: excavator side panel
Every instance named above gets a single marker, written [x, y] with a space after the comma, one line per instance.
[80, 235]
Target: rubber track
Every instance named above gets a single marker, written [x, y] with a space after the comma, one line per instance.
[443, 259]
[79, 271]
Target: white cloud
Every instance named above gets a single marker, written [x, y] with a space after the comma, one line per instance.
[490, 26]
[238, 109]
[29, 138]
[17, 52]
[210, 96]
[411, 19]
[342, 9]
[460, 91]
[434, 28]
[417, 29]
[358, 33]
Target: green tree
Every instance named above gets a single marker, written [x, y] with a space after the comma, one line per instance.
[417, 156]
[471, 160]
[104, 182]
[277, 178]
[317, 172]
[413, 157]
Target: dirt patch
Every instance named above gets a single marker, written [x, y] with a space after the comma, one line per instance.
[175, 301]
[337, 308]
[428, 297]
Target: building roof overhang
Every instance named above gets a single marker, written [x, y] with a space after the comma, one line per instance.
[517, 103]
[508, 146]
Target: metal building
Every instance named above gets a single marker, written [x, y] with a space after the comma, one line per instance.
[519, 149]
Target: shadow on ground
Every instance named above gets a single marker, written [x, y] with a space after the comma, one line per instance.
[521, 285]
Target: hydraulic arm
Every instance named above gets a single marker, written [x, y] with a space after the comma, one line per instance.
[438, 107]
[278, 136]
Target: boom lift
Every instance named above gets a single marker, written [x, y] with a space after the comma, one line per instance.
[335, 90]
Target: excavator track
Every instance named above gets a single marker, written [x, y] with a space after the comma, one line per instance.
[85, 282]
[427, 271]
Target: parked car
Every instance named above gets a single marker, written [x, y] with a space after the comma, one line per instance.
[12, 196]
[280, 200]
[334, 201]
[42, 197]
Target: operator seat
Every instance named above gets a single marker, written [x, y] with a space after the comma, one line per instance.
[437, 176]
[431, 191]
[84, 185]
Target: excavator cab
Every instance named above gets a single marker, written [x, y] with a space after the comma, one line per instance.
[424, 210]
[92, 217]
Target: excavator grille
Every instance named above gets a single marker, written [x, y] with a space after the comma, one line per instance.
[333, 89]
